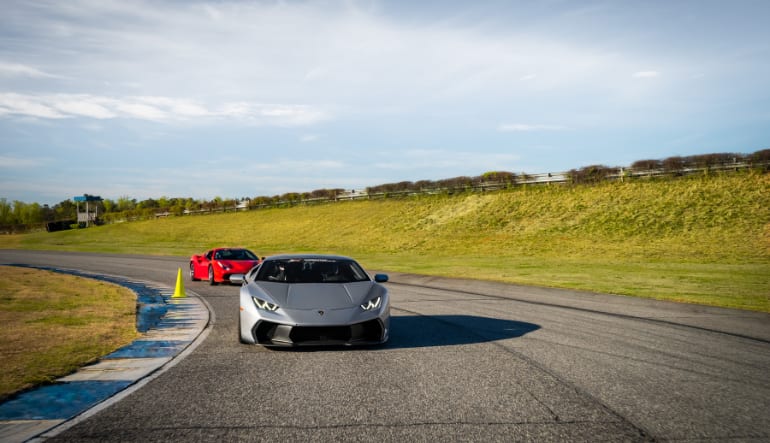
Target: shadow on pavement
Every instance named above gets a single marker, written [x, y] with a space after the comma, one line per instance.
[451, 330]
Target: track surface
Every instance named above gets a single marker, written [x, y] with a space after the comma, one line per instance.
[466, 361]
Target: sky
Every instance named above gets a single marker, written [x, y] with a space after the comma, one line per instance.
[233, 99]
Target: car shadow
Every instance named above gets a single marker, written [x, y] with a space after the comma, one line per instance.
[451, 330]
[426, 331]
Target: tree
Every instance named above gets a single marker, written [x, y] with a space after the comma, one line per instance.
[646, 165]
[109, 205]
[759, 158]
[674, 164]
[125, 204]
[6, 212]
[591, 174]
[65, 210]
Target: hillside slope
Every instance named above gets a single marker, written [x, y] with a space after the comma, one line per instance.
[696, 239]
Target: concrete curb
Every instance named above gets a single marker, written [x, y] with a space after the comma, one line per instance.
[172, 328]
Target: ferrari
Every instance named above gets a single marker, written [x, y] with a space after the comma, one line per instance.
[220, 265]
[313, 300]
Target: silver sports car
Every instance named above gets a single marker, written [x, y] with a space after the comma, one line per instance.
[307, 300]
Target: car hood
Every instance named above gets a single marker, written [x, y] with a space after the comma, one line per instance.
[317, 295]
[239, 264]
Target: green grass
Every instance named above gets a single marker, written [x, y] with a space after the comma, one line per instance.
[702, 239]
[55, 323]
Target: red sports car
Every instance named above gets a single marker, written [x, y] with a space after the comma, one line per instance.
[219, 264]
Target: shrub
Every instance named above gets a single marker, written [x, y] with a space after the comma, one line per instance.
[647, 165]
[674, 164]
[591, 174]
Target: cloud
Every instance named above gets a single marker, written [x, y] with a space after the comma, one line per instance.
[83, 108]
[154, 108]
[444, 163]
[19, 104]
[521, 127]
[342, 53]
[286, 115]
[646, 74]
[19, 70]
[140, 111]
[315, 167]
[8, 162]
[309, 138]
[177, 107]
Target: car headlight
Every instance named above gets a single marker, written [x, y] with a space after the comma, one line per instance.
[264, 305]
[223, 266]
[372, 304]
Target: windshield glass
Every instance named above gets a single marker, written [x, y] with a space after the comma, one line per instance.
[311, 271]
[235, 254]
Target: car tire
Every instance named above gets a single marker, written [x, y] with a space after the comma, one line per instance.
[192, 272]
[212, 282]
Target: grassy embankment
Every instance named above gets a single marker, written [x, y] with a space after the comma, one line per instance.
[702, 239]
[55, 323]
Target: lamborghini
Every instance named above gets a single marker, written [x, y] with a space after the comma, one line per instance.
[312, 300]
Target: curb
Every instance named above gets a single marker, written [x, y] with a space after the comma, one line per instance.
[171, 327]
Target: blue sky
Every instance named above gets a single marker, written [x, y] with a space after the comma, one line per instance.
[239, 99]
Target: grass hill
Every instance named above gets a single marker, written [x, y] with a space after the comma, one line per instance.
[703, 239]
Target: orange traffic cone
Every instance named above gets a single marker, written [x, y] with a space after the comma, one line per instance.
[179, 291]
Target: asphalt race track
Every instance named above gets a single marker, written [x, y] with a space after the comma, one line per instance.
[467, 361]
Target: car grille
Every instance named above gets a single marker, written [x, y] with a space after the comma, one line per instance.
[268, 333]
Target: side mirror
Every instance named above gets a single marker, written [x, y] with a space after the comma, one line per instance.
[380, 278]
[237, 279]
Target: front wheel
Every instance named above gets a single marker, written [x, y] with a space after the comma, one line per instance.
[192, 272]
[212, 282]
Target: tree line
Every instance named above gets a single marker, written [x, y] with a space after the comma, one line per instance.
[676, 165]
[19, 216]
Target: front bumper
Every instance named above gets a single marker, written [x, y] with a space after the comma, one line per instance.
[370, 332]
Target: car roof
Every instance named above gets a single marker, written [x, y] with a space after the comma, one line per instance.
[307, 256]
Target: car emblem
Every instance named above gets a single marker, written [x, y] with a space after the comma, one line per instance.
[320, 312]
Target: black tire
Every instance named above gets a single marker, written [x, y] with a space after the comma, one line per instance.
[212, 282]
[192, 272]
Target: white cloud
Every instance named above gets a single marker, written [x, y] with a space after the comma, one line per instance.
[19, 70]
[337, 52]
[309, 138]
[140, 111]
[284, 115]
[19, 104]
[317, 167]
[154, 108]
[84, 108]
[443, 163]
[177, 107]
[522, 127]
[8, 162]
[646, 74]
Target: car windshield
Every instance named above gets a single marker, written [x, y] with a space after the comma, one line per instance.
[322, 270]
[235, 254]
